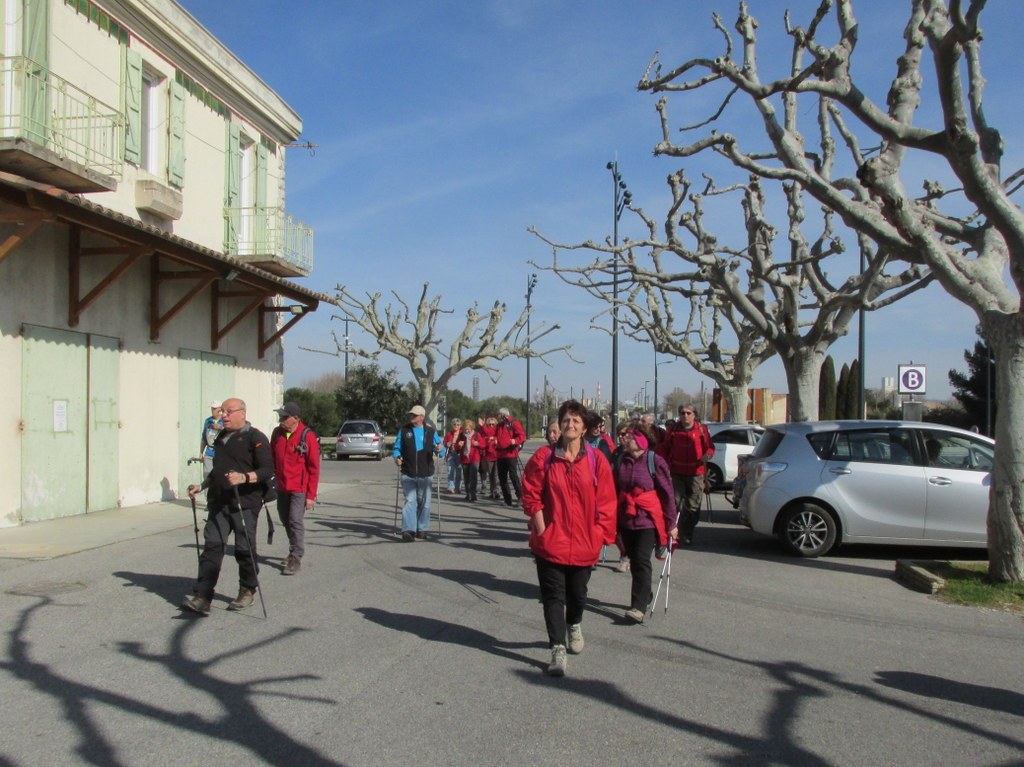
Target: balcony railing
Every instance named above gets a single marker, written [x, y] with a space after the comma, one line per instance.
[47, 111]
[269, 238]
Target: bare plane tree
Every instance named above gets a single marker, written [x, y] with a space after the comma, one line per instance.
[412, 335]
[971, 237]
[774, 303]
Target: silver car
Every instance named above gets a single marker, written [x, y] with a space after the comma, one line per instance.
[731, 440]
[359, 437]
[818, 484]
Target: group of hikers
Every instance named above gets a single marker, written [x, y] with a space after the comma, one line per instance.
[581, 491]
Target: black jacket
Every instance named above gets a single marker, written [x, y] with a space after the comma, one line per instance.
[417, 463]
[245, 450]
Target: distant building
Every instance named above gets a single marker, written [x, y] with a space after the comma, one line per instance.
[145, 252]
[763, 407]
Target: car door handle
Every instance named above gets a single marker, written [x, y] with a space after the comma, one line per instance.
[841, 471]
[943, 481]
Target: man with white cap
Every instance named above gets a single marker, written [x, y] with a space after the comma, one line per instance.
[414, 451]
[211, 428]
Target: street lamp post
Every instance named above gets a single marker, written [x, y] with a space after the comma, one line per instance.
[346, 351]
[656, 363]
[531, 283]
[621, 198]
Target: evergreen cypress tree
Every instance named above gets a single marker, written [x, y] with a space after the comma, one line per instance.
[853, 392]
[976, 388]
[841, 387]
[827, 390]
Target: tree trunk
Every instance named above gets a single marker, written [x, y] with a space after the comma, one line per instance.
[803, 373]
[1006, 499]
[738, 398]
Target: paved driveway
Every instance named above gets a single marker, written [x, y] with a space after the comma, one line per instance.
[432, 653]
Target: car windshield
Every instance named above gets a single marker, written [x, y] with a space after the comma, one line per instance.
[358, 427]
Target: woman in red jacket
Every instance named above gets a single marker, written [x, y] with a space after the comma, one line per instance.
[489, 460]
[569, 497]
[468, 447]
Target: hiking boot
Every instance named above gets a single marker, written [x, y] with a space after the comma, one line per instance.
[243, 600]
[660, 553]
[196, 604]
[421, 535]
[623, 565]
[575, 638]
[291, 565]
[637, 616]
[557, 665]
[407, 536]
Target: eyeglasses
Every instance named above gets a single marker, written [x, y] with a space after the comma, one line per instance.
[685, 412]
[225, 411]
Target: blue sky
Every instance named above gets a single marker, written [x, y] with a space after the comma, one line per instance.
[445, 129]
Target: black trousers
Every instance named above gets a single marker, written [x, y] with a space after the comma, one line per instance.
[221, 522]
[563, 592]
[639, 547]
[508, 469]
[489, 473]
[469, 479]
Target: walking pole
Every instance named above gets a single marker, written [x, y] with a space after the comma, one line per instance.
[707, 498]
[398, 486]
[252, 551]
[195, 522]
[438, 486]
[666, 573]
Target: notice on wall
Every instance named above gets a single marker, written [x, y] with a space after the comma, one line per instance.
[60, 415]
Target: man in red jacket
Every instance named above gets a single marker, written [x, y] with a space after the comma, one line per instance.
[296, 450]
[687, 447]
[508, 438]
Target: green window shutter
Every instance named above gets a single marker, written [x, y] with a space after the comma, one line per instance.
[176, 137]
[132, 106]
[35, 47]
[232, 185]
[35, 33]
[261, 199]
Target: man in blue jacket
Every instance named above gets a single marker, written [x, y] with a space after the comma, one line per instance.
[415, 448]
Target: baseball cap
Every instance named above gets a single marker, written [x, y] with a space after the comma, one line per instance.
[215, 403]
[290, 408]
[417, 410]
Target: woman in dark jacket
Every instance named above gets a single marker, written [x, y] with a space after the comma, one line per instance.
[647, 513]
[569, 497]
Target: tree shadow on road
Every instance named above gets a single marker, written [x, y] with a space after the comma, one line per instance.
[980, 696]
[239, 721]
[435, 630]
[517, 589]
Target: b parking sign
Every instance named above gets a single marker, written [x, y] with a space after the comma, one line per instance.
[913, 379]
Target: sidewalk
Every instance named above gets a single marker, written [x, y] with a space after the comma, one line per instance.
[53, 538]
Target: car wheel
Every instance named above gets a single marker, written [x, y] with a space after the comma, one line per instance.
[343, 457]
[808, 530]
[380, 456]
[715, 479]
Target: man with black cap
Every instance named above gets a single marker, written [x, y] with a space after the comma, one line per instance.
[414, 451]
[296, 450]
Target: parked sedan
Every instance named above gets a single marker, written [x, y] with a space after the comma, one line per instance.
[732, 440]
[818, 484]
[360, 437]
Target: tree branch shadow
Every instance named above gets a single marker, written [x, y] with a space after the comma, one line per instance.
[241, 723]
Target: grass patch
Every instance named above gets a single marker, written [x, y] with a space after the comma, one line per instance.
[967, 583]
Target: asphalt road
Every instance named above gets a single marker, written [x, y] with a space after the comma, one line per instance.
[432, 653]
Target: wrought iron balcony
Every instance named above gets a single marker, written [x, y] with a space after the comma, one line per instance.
[269, 238]
[53, 132]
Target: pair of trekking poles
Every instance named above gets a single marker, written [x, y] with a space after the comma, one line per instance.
[398, 492]
[245, 531]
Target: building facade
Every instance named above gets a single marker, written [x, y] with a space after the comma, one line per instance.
[146, 257]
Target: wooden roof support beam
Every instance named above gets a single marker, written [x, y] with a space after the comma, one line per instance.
[217, 332]
[266, 343]
[29, 223]
[157, 278]
[76, 302]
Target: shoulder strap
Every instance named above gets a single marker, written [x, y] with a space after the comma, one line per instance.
[650, 463]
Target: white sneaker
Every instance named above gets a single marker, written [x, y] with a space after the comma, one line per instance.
[557, 665]
[575, 638]
[623, 565]
[637, 616]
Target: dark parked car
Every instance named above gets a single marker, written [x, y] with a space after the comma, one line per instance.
[359, 437]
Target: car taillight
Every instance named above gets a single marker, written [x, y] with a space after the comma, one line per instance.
[767, 468]
[376, 438]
